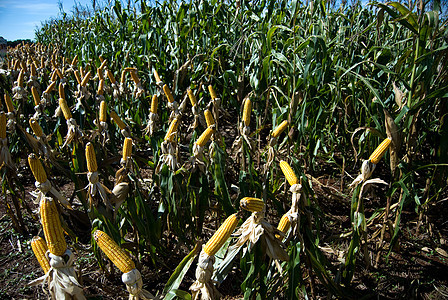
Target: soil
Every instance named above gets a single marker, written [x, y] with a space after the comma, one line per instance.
[416, 269]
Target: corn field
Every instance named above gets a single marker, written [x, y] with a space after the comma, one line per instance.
[206, 150]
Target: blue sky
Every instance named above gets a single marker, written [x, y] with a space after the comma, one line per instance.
[19, 18]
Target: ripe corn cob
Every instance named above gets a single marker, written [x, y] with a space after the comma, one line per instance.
[40, 247]
[100, 90]
[135, 76]
[54, 76]
[289, 173]
[209, 118]
[117, 120]
[205, 137]
[118, 256]
[75, 60]
[192, 97]
[101, 58]
[168, 94]
[284, 224]
[77, 76]
[2, 125]
[154, 104]
[99, 72]
[127, 148]
[103, 64]
[50, 87]
[58, 72]
[212, 92]
[86, 78]
[379, 151]
[81, 72]
[65, 109]
[91, 158]
[103, 111]
[111, 76]
[123, 76]
[246, 112]
[36, 168]
[42, 62]
[20, 78]
[36, 127]
[36, 96]
[221, 235]
[156, 76]
[33, 69]
[9, 104]
[51, 224]
[61, 91]
[252, 204]
[280, 128]
[173, 128]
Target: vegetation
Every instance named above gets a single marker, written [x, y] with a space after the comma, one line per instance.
[251, 99]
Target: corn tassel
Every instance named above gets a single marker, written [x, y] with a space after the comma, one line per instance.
[91, 158]
[280, 128]
[209, 118]
[65, 109]
[40, 247]
[36, 96]
[51, 224]
[289, 173]
[154, 104]
[380, 151]
[37, 169]
[36, 127]
[221, 235]
[252, 204]
[168, 94]
[118, 256]
[246, 112]
[205, 137]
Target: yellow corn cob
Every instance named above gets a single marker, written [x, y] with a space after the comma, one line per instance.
[192, 97]
[209, 118]
[221, 235]
[20, 79]
[54, 76]
[61, 91]
[100, 90]
[36, 96]
[123, 76]
[99, 71]
[212, 92]
[103, 64]
[59, 73]
[135, 76]
[81, 72]
[103, 111]
[173, 128]
[379, 151]
[42, 62]
[2, 125]
[111, 76]
[117, 120]
[50, 87]
[33, 69]
[75, 61]
[118, 256]
[154, 104]
[205, 137]
[280, 128]
[51, 224]
[36, 168]
[23, 65]
[65, 109]
[252, 204]
[101, 58]
[283, 225]
[91, 158]
[9, 104]
[288, 172]
[40, 247]
[156, 76]
[36, 127]
[127, 148]
[86, 78]
[77, 76]
[246, 112]
[16, 65]
[168, 94]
